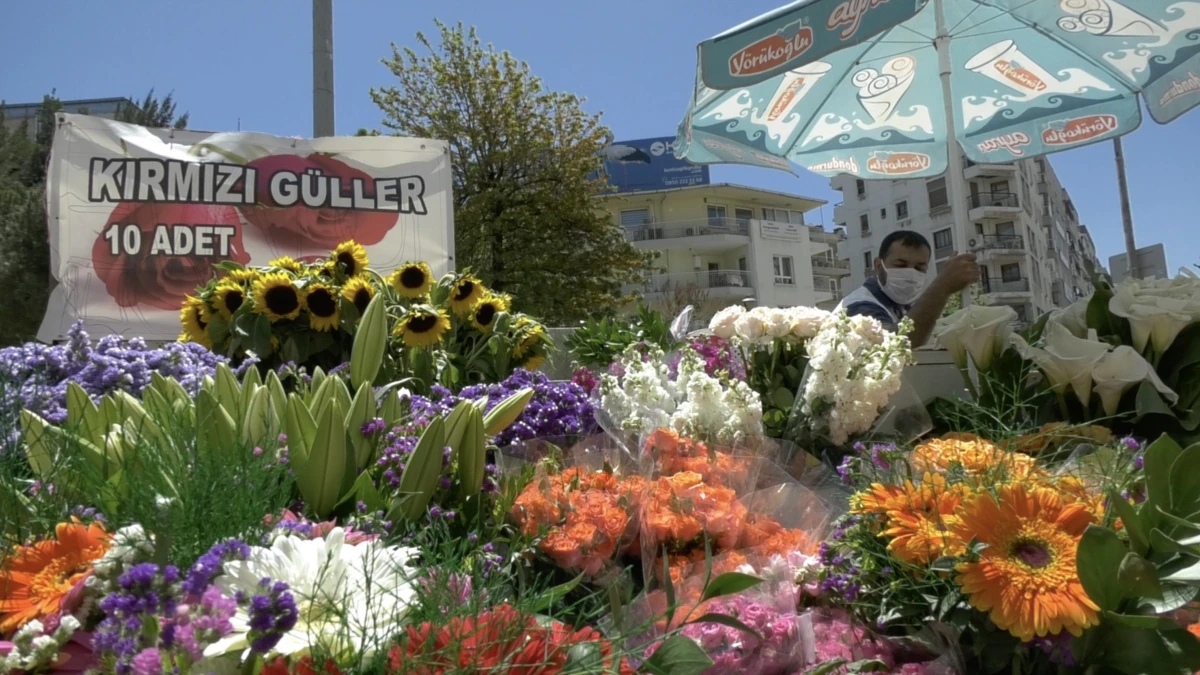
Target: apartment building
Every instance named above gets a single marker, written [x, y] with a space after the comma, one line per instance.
[16, 114]
[717, 245]
[1011, 231]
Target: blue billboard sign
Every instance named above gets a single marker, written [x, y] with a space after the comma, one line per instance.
[650, 164]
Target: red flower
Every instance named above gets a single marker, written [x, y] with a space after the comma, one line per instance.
[298, 228]
[302, 667]
[133, 276]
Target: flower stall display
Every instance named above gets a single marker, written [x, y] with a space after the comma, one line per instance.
[452, 331]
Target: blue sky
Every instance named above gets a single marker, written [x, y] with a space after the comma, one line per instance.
[249, 62]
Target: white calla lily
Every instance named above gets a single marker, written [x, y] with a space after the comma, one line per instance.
[980, 331]
[1153, 318]
[1119, 371]
[1066, 359]
[1073, 318]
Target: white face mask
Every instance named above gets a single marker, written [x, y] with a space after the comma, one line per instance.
[904, 284]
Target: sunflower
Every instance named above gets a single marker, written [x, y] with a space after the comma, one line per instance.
[288, 263]
[412, 280]
[1026, 578]
[35, 578]
[466, 291]
[275, 296]
[422, 326]
[358, 292]
[529, 336]
[242, 276]
[351, 256]
[227, 297]
[322, 305]
[195, 316]
[484, 313]
[534, 362]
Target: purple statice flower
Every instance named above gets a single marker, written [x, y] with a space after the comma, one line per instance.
[271, 614]
[1057, 647]
[879, 455]
[146, 594]
[1131, 444]
[148, 662]
[1139, 462]
[373, 427]
[208, 565]
[205, 623]
[846, 470]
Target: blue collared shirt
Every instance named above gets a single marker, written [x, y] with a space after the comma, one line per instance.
[873, 310]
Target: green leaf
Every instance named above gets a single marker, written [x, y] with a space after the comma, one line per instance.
[1133, 651]
[1134, 527]
[319, 476]
[1174, 597]
[301, 427]
[229, 392]
[258, 424]
[1138, 578]
[420, 477]
[677, 655]
[83, 415]
[392, 408]
[1183, 353]
[1158, 459]
[1189, 574]
[726, 620]
[364, 491]
[1138, 621]
[867, 666]
[279, 400]
[1185, 483]
[472, 453]
[1099, 561]
[362, 410]
[826, 667]
[783, 398]
[370, 343]
[456, 426]
[552, 596]
[37, 444]
[507, 411]
[729, 583]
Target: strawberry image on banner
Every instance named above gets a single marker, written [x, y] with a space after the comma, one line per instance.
[298, 226]
[155, 254]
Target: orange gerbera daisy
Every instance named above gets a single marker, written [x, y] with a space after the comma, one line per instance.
[978, 458]
[35, 578]
[1026, 578]
[919, 518]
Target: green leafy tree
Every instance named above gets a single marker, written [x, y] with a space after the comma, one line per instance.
[24, 242]
[525, 168]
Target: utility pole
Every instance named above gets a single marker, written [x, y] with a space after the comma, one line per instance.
[1131, 267]
[322, 68]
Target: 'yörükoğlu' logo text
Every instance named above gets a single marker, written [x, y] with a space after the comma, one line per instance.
[1079, 129]
[1012, 142]
[770, 52]
[850, 14]
[898, 163]
[1020, 77]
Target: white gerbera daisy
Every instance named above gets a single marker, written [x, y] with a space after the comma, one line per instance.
[349, 598]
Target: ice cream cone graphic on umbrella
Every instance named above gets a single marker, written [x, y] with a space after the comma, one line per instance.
[880, 91]
[1005, 63]
[1107, 18]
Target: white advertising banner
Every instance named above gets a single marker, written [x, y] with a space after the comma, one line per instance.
[138, 217]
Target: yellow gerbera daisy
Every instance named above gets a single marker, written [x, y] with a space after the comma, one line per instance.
[288, 263]
[227, 297]
[322, 305]
[484, 314]
[358, 292]
[275, 296]
[1026, 578]
[422, 326]
[242, 276]
[411, 280]
[194, 316]
[466, 291]
[351, 257]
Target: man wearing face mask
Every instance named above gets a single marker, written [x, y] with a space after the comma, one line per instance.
[901, 285]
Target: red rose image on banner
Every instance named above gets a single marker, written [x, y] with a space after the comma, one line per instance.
[298, 227]
[161, 280]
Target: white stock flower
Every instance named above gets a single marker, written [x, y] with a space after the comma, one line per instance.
[1119, 371]
[722, 323]
[369, 586]
[1066, 359]
[980, 331]
[807, 321]
[1156, 313]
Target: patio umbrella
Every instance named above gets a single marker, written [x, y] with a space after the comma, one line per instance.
[885, 89]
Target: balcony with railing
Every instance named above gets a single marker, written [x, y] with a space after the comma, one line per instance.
[830, 267]
[993, 205]
[988, 170]
[658, 235]
[1002, 285]
[1000, 242]
[713, 284]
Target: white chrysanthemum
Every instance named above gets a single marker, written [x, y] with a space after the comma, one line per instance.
[349, 598]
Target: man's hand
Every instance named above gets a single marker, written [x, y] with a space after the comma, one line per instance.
[960, 271]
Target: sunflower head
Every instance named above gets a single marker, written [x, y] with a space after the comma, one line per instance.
[358, 292]
[350, 257]
[411, 280]
[322, 304]
[529, 335]
[534, 362]
[287, 263]
[194, 316]
[277, 297]
[246, 276]
[484, 313]
[464, 293]
[227, 297]
[422, 326]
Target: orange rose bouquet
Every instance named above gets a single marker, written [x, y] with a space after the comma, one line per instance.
[665, 452]
[681, 512]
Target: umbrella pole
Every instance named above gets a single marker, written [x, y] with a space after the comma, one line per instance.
[956, 184]
[1131, 265]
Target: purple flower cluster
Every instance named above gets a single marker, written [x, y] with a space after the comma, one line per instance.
[557, 408]
[840, 576]
[776, 649]
[145, 593]
[35, 376]
[207, 566]
[205, 623]
[271, 614]
[720, 358]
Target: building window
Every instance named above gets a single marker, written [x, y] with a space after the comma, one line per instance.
[716, 212]
[742, 264]
[902, 210]
[783, 216]
[864, 224]
[938, 197]
[1010, 272]
[943, 239]
[867, 260]
[784, 273]
[883, 213]
[1006, 229]
[743, 216]
[1000, 187]
[635, 217]
[861, 187]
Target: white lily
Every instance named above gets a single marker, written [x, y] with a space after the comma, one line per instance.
[1066, 359]
[1119, 371]
[980, 331]
[1153, 317]
[1073, 317]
